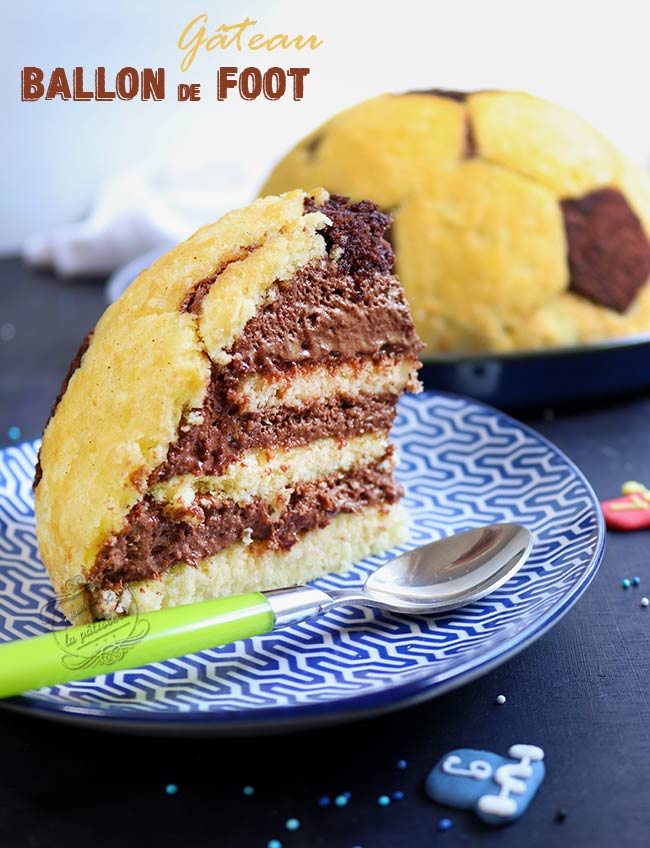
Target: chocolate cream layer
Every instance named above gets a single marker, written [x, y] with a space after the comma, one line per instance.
[225, 433]
[157, 535]
[320, 315]
[344, 305]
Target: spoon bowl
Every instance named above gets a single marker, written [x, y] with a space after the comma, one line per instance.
[450, 572]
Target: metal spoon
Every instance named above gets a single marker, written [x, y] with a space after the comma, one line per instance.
[440, 576]
[443, 575]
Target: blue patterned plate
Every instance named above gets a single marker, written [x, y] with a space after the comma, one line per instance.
[463, 464]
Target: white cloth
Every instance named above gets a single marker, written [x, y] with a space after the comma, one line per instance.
[141, 209]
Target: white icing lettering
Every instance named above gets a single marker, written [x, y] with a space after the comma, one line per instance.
[507, 777]
[477, 769]
[531, 752]
[497, 805]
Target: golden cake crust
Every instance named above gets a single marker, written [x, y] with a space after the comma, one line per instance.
[147, 364]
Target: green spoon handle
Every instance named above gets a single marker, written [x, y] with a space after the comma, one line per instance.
[134, 640]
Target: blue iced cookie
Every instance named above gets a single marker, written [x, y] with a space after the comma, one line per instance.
[498, 789]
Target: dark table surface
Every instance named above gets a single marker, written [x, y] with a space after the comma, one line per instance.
[582, 692]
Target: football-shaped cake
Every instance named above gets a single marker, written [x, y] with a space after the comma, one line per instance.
[225, 426]
[516, 224]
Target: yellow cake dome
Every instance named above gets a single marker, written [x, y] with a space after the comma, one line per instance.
[516, 224]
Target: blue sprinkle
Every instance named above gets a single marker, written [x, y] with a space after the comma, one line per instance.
[401, 764]
[274, 843]
[346, 794]
[324, 801]
[398, 795]
[171, 789]
[248, 790]
[14, 433]
[444, 824]
[636, 581]
[625, 583]
[341, 800]
[292, 824]
[383, 800]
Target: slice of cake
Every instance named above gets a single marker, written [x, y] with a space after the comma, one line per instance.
[225, 427]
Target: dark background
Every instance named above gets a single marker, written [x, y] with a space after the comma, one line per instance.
[582, 692]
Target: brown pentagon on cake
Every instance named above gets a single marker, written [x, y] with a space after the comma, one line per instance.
[608, 250]
[225, 427]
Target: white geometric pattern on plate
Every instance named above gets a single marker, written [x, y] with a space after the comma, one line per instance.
[463, 464]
